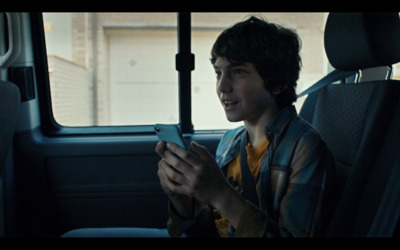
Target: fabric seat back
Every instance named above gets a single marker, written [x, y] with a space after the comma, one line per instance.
[353, 118]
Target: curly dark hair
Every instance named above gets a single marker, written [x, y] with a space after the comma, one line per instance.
[273, 50]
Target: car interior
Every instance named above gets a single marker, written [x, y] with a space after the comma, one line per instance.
[59, 181]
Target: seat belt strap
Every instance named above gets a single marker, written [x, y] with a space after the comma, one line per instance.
[248, 181]
[334, 76]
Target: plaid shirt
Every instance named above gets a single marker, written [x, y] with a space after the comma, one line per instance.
[292, 184]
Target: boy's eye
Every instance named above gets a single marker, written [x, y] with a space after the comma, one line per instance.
[238, 71]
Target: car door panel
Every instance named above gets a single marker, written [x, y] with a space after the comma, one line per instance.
[91, 181]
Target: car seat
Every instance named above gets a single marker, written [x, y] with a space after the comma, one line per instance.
[354, 119]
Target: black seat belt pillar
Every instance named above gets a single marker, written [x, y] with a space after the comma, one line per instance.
[184, 65]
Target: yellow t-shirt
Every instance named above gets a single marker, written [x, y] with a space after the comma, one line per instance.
[234, 176]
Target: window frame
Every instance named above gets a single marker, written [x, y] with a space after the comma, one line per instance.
[184, 65]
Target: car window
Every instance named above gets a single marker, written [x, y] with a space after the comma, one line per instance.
[113, 69]
[207, 113]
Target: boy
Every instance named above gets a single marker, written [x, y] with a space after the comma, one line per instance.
[257, 66]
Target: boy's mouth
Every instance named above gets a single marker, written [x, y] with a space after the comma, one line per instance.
[229, 105]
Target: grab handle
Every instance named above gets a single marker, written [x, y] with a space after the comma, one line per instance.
[14, 40]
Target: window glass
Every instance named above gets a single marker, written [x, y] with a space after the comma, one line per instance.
[207, 111]
[112, 68]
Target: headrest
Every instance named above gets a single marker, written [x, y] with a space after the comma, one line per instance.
[356, 41]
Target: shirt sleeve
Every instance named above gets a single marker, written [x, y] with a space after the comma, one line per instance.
[202, 225]
[253, 222]
[309, 184]
[301, 206]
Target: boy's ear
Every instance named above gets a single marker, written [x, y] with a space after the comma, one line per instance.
[279, 89]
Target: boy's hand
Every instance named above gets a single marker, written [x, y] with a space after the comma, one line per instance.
[197, 176]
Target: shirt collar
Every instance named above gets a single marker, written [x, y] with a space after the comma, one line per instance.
[230, 144]
[280, 121]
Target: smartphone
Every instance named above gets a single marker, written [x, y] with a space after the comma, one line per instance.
[170, 133]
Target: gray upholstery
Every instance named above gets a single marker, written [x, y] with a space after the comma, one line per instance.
[354, 118]
[334, 108]
[355, 133]
[356, 41]
[9, 109]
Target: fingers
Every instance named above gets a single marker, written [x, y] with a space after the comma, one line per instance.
[175, 156]
[171, 170]
[166, 173]
[163, 147]
[187, 156]
[178, 164]
[201, 150]
[171, 180]
[188, 160]
[194, 174]
[160, 148]
[179, 151]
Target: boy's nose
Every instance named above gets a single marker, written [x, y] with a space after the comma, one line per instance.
[224, 85]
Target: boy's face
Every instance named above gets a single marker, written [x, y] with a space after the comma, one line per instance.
[241, 91]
